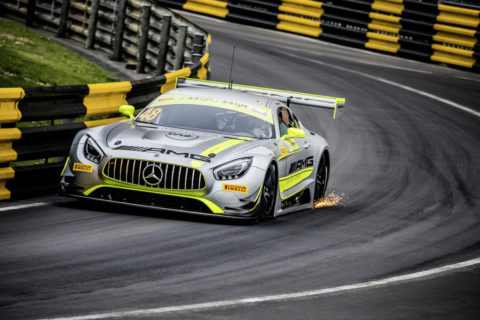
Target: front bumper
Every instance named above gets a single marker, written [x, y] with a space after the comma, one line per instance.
[165, 209]
[213, 200]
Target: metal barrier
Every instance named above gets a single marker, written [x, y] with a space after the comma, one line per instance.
[37, 125]
[96, 24]
[430, 31]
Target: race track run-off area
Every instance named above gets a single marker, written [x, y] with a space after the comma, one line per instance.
[402, 243]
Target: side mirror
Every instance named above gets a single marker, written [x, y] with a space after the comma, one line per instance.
[294, 133]
[127, 110]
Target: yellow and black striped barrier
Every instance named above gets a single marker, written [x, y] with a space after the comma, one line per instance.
[414, 29]
[30, 149]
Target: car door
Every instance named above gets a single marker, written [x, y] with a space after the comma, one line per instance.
[295, 161]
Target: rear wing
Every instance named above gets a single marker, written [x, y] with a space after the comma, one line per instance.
[287, 97]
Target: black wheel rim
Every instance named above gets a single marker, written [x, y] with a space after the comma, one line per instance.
[321, 179]
[269, 191]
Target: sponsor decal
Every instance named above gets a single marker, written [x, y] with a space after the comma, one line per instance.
[82, 167]
[292, 144]
[165, 98]
[234, 188]
[181, 136]
[283, 150]
[300, 164]
[256, 111]
[262, 112]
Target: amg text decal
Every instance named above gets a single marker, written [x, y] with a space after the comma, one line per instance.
[300, 164]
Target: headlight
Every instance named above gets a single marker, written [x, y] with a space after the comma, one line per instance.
[92, 151]
[233, 169]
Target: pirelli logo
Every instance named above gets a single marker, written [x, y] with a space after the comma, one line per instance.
[234, 188]
[82, 167]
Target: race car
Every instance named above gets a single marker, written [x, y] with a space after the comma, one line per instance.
[207, 148]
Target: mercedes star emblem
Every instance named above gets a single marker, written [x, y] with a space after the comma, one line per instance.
[152, 174]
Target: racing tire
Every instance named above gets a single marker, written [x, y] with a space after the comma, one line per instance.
[321, 179]
[268, 195]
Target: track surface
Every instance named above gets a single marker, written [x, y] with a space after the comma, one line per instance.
[408, 167]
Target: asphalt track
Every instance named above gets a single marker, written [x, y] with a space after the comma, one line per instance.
[406, 165]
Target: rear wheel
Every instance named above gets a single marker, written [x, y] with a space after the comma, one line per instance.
[321, 180]
[268, 195]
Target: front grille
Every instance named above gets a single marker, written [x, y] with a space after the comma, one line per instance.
[165, 175]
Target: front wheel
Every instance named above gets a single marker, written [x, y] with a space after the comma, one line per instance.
[268, 196]
[321, 180]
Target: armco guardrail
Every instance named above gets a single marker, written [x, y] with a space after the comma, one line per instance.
[445, 32]
[96, 24]
[38, 124]
[21, 106]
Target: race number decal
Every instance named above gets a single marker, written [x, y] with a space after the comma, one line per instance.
[150, 114]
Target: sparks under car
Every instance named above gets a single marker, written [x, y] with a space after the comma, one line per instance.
[206, 148]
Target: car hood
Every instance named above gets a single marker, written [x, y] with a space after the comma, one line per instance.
[175, 142]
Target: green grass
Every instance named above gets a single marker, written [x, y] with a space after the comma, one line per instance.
[28, 59]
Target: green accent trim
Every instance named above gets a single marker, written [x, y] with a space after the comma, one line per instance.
[222, 146]
[212, 206]
[288, 154]
[180, 191]
[301, 189]
[256, 199]
[292, 180]
[65, 166]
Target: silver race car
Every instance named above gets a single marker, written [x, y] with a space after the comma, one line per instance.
[206, 148]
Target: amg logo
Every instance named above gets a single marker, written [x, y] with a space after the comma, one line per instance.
[300, 164]
[168, 152]
[186, 155]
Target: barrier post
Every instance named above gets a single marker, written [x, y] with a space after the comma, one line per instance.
[92, 24]
[163, 46]
[62, 26]
[198, 46]
[30, 18]
[119, 29]
[197, 50]
[142, 44]
[180, 47]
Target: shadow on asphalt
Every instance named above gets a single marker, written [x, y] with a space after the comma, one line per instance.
[156, 213]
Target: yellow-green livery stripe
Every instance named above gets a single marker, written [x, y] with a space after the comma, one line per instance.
[287, 154]
[292, 180]
[219, 148]
[65, 166]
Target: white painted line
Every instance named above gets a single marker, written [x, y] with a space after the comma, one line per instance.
[279, 297]
[395, 84]
[466, 78]
[392, 66]
[25, 206]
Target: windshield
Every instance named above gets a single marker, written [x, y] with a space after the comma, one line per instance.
[207, 118]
